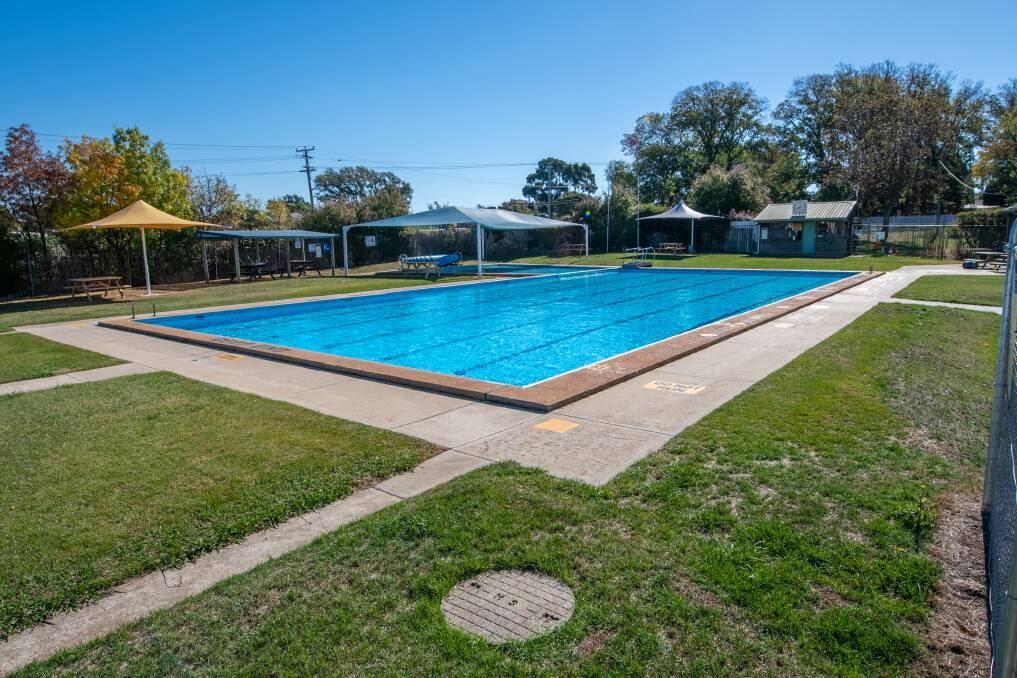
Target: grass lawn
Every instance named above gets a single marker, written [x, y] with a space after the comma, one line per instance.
[958, 289]
[105, 481]
[787, 533]
[749, 261]
[34, 312]
[23, 356]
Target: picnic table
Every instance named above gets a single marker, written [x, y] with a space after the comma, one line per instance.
[571, 249]
[672, 248]
[989, 258]
[301, 266]
[256, 269]
[96, 283]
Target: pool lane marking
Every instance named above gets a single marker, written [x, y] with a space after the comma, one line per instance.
[546, 298]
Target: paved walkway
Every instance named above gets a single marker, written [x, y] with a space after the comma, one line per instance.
[591, 440]
[81, 377]
[998, 310]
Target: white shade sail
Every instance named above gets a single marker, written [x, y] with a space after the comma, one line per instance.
[493, 219]
[681, 211]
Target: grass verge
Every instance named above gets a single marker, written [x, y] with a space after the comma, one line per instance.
[108, 480]
[23, 356]
[786, 533]
[749, 261]
[34, 312]
[984, 290]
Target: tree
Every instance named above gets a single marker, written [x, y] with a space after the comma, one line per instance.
[553, 178]
[279, 212]
[725, 121]
[707, 124]
[296, 203]
[727, 192]
[379, 192]
[997, 162]
[110, 174]
[805, 126]
[896, 128]
[33, 184]
[215, 201]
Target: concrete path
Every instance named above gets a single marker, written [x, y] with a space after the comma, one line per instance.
[81, 377]
[591, 440]
[998, 310]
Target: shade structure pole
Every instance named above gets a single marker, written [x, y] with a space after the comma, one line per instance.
[144, 258]
[346, 253]
[692, 237]
[480, 250]
[204, 259]
[331, 251]
[586, 239]
[236, 258]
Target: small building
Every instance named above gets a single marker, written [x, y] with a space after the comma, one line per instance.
[805, 228]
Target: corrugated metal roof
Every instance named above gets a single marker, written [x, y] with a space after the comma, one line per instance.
[815, 211]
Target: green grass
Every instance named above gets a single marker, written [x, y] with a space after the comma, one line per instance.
[958, 289]
[23, 356]
[34, 312]
[105, 481]
[749, 261]
[784, 534]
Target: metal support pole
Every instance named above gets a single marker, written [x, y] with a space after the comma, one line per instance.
[480, 250]
[331, 251]
[346, 253]
[289, 259]
[236, 257]
[204, 259]
[144, 258]
[692, 237]
[586, 239]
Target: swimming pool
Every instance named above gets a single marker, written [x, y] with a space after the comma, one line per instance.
[516, 332]
[516, 269]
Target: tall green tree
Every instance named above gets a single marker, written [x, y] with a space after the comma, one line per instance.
[728, 193]
[554, 178]
[997, 162]
[896, 127]
[805, 125]
[372, 194]
[215, 200]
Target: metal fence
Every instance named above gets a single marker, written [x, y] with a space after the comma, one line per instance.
[999, 498]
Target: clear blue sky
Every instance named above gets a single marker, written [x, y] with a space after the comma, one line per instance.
[432, 83]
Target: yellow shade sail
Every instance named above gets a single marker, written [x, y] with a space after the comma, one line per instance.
[140, 214]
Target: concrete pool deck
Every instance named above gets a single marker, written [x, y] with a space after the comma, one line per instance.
[612, 428]
[591, 440]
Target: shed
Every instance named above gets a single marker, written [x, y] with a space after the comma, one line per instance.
[806, 228]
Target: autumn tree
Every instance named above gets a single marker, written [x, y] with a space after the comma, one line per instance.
[33, 185]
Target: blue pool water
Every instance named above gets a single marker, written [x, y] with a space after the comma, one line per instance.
[531, 269]
[517, 331]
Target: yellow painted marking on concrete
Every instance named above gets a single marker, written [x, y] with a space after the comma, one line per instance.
[80, 325]
[673, 387]
[556, 425]
[229, 356]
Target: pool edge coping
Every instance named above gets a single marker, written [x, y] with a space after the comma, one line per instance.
[543, 396]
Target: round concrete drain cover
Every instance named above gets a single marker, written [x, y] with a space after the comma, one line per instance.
[508, 605]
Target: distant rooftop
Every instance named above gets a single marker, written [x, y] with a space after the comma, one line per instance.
[808, 211]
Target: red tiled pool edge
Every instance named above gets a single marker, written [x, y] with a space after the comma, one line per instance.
[544, 396]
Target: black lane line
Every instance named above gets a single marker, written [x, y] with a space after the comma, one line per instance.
[553, 314]
[331, 313]
[565, 315]
[412, 324]
[605, 326]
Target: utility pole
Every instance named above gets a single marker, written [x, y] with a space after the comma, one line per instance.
[305, 151]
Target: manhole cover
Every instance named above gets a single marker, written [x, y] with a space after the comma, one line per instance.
[508, 605]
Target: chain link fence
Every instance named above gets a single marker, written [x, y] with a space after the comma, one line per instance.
[999, 498]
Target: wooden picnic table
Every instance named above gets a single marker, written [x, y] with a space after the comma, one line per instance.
[571, 249]
[989, 257]
[97, 283]
[304, 265]
[672, 248]
[256, 269]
